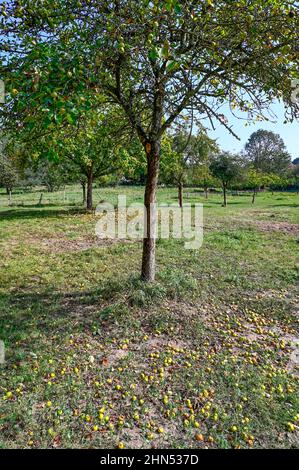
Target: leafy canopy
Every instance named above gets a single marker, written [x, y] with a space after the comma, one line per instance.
[157, 60]
[267, 152]
[183, 153]
[227, 167]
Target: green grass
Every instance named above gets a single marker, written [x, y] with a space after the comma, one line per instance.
[204, 357]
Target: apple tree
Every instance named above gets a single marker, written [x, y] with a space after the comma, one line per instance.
[228, 169]
[158, 61]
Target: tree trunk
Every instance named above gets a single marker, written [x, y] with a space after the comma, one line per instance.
[149, 242]
[206, 192]
[84, 192]
[224, 196]
[89, 190]
[253, 196]
[180, 194]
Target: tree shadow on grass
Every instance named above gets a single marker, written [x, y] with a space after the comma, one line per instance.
[230, 202]
[35, 321]
[209, 202]
[38, 212]
[287, 204]
[28, 320]
[31, 322]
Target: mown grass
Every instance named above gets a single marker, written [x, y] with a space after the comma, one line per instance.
[204, 357]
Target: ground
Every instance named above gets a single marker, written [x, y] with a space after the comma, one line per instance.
[205, 357]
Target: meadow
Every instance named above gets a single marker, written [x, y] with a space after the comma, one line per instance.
[205, 357]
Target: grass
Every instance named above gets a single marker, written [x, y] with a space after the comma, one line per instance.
[207, 356]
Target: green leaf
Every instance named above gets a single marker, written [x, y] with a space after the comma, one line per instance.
[165, 50]
[172, 66]
[153, 54]
[69, 119]
[178, 8]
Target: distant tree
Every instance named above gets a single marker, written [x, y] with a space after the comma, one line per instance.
[174, 164]
[39, 171]
[83, 153]
[8, 169]
[227, 168]
[255, 179]
[295, 173]
[94, 150]
[182, 153]
[267, 153]
[42, 172]
[280, 183]
[8, 174]
[73, 175]
[105, 149]
[202, 175]
[52, 177]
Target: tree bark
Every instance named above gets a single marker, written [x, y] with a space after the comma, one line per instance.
[84, 192]
[89, 190]
[180, 194]
[206, 192]
[149, 242]
[224, 195]
[253, 196]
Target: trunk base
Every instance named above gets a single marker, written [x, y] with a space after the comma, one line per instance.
[149, 242]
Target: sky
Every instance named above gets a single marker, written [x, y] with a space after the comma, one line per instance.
[289, 132]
